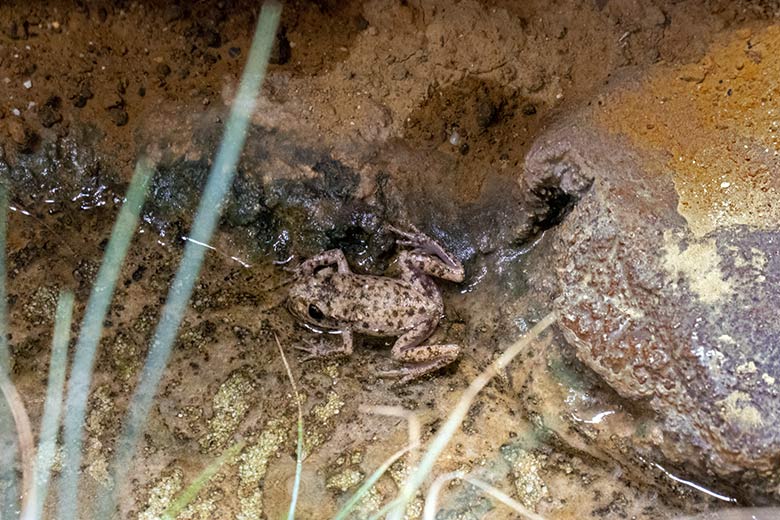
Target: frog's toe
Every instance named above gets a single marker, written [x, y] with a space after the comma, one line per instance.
[412, 236]
[307, 358]
[313, 351]
[321, 350]
[390, 374]
[405, 243]
[416, 239]
[402, 375]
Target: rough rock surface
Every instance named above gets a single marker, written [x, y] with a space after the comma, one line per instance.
[669, 262]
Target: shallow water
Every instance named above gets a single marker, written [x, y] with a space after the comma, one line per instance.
[534, 432]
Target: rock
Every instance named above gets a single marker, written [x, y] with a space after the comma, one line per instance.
[118, 115]
[212, 38]
[162, 70]
[82, 95]
[668, 276]
[18, 32]
[23, 136]
[486, 113]
[49, 113]
[172, 13]
[65, 165]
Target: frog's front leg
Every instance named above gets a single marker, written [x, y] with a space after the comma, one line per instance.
[420, 359]
[320, 350]
[331, 257]
[427, 256]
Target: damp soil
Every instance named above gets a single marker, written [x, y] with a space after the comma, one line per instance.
[372, 113]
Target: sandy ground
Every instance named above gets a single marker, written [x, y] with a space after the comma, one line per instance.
[378, 84]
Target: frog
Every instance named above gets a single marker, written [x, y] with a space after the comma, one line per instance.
[327, 296]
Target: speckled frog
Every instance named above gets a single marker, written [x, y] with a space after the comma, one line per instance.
[409, 307]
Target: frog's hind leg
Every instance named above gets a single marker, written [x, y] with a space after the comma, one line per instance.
[420, 359]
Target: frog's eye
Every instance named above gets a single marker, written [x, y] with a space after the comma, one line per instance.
[315, 312]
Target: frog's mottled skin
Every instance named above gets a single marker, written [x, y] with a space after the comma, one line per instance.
[409, 307]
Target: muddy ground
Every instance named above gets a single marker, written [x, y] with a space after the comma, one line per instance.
[407, 112]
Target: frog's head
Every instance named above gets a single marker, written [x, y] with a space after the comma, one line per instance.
[308, 301]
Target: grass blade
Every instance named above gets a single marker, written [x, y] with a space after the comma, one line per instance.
[299, 447]
[89, 337]
[26, 444]
[189, 494]
[52, 407]
[206, 218]
[369, 483]
[18, 414]
[7, 471]
[5, 356]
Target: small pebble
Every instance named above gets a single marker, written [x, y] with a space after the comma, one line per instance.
[281, 50]
[118, 115]
[529, 109]
[163, 70]
[487, 113]
[49, 114]
[82, 96]
[361, 23]
[27, 84]
[172, 13]
[212, 38]
[23, 136]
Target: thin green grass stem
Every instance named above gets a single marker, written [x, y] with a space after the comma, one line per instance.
[25, 444]
[189, 494]
[52, 407]
[363, 490]
[206, 219]
[5, 356]
[299, 445]
[89, 337]
[298, 468]
[8, 499]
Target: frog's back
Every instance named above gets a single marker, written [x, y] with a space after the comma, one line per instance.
[381, 306]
